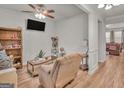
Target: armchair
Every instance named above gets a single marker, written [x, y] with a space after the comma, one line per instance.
[62, 72]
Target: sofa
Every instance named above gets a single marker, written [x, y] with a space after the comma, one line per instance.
[8, 76]
[61, 72]
[113, 48]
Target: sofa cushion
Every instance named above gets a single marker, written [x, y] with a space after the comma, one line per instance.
[112, 48]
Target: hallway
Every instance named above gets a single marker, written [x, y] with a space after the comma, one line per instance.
[109, 75]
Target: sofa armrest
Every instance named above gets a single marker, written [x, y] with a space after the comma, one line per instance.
[45, 79]
[8, 76]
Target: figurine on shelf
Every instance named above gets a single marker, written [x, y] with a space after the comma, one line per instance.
[62, 51]
[54, 42]
[54, 50]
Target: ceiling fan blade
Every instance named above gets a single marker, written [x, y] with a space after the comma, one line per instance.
[27, 11]
[50, 11]
[47, 11]
[32, 6]
[40, 5]
[47, 15]
[37, 7]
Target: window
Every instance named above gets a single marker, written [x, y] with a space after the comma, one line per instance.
[107, 37]
[118, 36]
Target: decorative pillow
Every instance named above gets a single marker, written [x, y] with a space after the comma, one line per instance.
[3, 55]
[112, 48]
[4, 60]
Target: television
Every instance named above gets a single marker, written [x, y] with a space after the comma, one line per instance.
[35, 25]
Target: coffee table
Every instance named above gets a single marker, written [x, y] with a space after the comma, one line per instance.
[34, 65]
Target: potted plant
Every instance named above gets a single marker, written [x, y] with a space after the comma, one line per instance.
[41, 54]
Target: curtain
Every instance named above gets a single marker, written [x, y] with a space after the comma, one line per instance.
[112, 36]
[123, 39]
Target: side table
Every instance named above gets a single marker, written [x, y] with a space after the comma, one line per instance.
[33, 65]
[84, 67]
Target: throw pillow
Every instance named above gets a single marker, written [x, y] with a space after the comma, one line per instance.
[3, 55]
[5, 62]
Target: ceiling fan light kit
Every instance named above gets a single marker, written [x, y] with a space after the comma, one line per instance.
[101, 5]
[39, 16]
[40, 11]
[107, 6]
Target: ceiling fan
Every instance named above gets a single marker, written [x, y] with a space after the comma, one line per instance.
[40, 11]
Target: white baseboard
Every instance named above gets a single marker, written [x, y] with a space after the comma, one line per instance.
[103, 59]
[93, 70]
[95, 67]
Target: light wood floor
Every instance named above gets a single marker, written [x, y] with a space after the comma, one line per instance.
[109, 75]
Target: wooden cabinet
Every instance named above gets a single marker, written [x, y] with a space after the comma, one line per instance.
[11, 40]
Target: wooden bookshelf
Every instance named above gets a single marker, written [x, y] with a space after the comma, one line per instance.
[11, 40]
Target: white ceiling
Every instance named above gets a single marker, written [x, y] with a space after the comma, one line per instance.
[67, 10]
[61, 10]
[115, 11]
